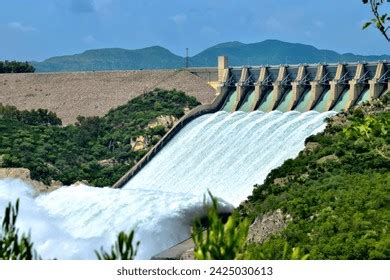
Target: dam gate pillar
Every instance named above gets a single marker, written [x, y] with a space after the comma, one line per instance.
[299, 86]
[280, 86]
[357, 85]
[223, 75]
[242, 87]
[262, 86]
[378, 84]
[318, 86]
[337, 86]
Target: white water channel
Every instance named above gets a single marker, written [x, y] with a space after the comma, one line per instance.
[224, 153]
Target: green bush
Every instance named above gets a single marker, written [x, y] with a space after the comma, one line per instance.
[16, 67]
[33, 117]
[219, 241]
[278, 251]
[228, 241]
[123, 249]
[12, 245]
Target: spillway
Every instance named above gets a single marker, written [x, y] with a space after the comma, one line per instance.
[226, 153]
[340, 104]
[230, 101]
[266, 103]
[321, 105]
[364, 96]
[303, 102]
[284, 103]
[248, 101]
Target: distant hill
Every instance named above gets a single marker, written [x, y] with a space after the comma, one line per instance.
[266, 52]
[274, 52]
[112, 59]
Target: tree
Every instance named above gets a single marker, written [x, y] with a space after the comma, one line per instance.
[220, 241]
[16, 67]
[381, 21]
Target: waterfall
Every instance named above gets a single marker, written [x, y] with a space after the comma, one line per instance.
[224, 153]
[228, 153]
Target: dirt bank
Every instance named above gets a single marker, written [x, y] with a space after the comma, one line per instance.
[93, 93]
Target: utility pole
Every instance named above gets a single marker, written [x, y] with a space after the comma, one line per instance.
[187, 59]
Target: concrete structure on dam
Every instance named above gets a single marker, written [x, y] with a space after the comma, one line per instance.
[321, 87]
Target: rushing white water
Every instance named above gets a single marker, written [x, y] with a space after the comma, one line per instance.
[228, 153]
[72, 222]
[225, 153]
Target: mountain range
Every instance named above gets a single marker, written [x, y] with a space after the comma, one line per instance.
[271, 52]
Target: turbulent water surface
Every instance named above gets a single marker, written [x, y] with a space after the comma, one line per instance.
[224, 153]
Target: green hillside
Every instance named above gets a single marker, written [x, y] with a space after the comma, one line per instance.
[96, 149]
[274, 52]
[266, 52]
[336, 191]
[112, 59]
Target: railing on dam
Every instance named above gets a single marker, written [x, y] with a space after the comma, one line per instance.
[320, 87]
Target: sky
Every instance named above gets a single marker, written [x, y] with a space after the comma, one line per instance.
[39, 29]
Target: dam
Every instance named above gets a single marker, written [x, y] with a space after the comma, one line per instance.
[304, 87]
[301, 88]
[260, 117]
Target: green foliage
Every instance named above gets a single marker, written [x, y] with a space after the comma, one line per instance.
[220, 241]
[277, 251]
[12, 245]
[33, 117]
[228, 241]
[16, 67]
[96, 149]
[337, 194]
[380, 21]
[123, 248]
[368, 127]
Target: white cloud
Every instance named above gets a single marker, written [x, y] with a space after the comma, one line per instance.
[89, 39]
[20, 26]
[179, 18]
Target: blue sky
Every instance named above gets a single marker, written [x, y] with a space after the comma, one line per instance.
[38, 29]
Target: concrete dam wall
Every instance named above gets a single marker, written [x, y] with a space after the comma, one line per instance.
[284, 88]
[321, 87]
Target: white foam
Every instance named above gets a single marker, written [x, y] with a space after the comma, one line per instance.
[229, 153]
[225, 153]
